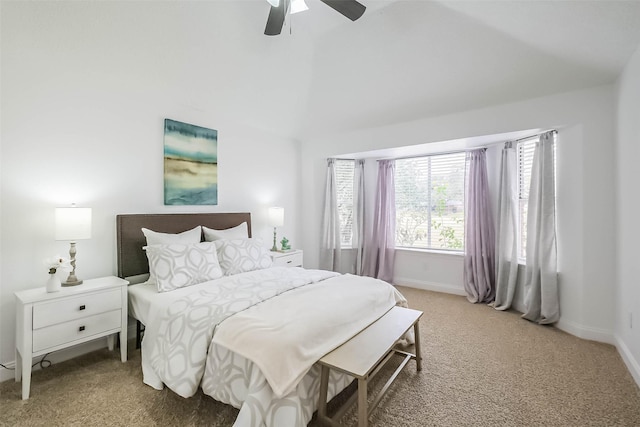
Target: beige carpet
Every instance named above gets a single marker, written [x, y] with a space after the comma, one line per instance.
[481, 368]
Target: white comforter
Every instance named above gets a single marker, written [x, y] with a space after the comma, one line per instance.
[268, 328]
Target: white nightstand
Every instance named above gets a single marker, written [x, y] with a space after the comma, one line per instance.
[291, 258]
[47, 322]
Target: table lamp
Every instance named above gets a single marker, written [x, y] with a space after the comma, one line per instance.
[73, 224]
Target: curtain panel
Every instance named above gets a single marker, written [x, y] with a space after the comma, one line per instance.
[380, 251]
[479, 235]
[507, 230]
[330, 243]
[541, 274]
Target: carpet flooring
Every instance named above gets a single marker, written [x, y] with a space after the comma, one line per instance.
[481, 367]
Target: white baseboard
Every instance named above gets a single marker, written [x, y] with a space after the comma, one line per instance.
[66, 354]
[585, 332]
[632, 364]
[429, 286]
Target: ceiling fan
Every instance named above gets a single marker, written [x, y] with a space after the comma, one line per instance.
[279, 8]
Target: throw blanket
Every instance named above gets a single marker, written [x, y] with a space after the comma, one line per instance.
[285, 336]
[174, 348]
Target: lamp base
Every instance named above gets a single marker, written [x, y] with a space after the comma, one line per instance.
[72, 280]
[274, 248]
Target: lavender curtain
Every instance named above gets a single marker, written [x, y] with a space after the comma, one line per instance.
[479, 234]
[380, 251]
[541, 283]
[506, 236]
[358, 215]
[330, 242]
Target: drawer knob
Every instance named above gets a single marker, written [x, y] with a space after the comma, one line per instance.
[82, 307]
[289, 262]
[81, 328]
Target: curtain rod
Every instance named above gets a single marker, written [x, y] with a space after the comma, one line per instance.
[439, 153]
[533, 136]
[470, 149]
[443, 153]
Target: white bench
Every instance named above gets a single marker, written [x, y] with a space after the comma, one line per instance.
[364, 355]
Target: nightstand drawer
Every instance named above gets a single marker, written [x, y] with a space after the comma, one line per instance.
[290, 260]
[78, 329]
[54, 312]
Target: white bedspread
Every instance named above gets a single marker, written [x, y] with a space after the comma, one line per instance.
[178, 349]
[285, 336]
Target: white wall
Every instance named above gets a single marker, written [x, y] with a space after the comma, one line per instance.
[628, 226]
[76, 127]
[585, 121]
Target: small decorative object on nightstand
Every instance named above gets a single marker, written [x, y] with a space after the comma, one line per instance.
[285, 244]
[47, 322]
[53, 283]
[292, 258]
[54, 264]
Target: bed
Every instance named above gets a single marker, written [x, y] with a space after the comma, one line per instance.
[247, 332]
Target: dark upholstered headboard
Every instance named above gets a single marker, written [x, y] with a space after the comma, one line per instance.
[132, 261]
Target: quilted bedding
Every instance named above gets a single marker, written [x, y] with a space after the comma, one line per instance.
[231, 335]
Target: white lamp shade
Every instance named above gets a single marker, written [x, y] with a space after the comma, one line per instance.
[276, 217]
[73, 223]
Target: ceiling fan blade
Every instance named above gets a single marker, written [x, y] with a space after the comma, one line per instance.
[275, 21]
[349, 8]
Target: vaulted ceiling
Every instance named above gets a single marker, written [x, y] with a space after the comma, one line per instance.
[407, 60]
[403, 60]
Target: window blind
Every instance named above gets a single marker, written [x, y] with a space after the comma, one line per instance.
[525, 161]
[430, 201]
[345, 170]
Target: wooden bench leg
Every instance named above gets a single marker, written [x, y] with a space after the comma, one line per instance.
[324, 388]
[416, 332]
[363, 413]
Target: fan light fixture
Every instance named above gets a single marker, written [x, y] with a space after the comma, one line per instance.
[297, 6]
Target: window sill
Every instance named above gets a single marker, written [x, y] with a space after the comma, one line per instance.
[430, 251]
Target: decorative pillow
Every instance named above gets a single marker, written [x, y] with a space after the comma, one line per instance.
[240, 255]
[238, 232]
[156, 238]
[178, 265]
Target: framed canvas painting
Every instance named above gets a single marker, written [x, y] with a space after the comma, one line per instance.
[190, 164]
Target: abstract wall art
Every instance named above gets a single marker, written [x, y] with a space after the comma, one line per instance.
[190, 164]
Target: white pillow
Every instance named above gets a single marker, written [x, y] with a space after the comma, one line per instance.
[157, 238]
[178, 265]
[238, 232]
[241, 255]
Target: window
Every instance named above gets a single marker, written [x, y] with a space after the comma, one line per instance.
[525, 160]
[345, 170]
[430, 202]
